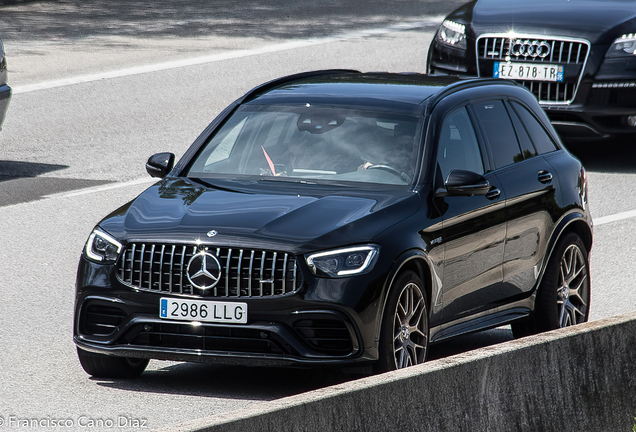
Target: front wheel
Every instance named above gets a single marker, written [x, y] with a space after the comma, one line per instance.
[563, 298]
[103, 366]
[405, 327]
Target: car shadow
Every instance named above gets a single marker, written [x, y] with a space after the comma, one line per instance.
[26, 21]
[229, 382]
[15, 169]
[21, 182]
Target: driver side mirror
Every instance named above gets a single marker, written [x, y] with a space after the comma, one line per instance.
[464, 183]
[160, 164]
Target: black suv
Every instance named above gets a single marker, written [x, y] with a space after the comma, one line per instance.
[342, 218]
[577, 57]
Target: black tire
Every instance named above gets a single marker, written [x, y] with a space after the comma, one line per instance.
[404, 333]
[563, 298]
[103, 366]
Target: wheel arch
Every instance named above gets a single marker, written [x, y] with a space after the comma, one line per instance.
[574, 222]
[415, 260]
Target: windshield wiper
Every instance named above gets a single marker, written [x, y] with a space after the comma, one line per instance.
[287, 180]
[214, 186]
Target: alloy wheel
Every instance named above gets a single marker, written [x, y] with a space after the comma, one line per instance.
[573, 288]
[410, 327]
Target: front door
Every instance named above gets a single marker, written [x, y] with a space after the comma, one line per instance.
[474, 228]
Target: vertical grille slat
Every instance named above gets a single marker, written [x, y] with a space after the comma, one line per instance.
[227, 272]
[161, 268]
[570, 53]
[249, 279]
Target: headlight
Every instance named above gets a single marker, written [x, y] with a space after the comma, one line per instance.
[453, 34]
[102, 248]
[624, 46]
[343, 262]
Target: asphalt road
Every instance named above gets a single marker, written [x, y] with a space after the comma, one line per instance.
[100, 86]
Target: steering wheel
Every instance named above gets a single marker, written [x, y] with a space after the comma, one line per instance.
[403, 176]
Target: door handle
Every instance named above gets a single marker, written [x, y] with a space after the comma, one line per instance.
[544, 177]
[493, 193]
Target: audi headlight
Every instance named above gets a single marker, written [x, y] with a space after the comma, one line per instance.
[344, 262]
[102, 248]
[624, 46]
[453, 34]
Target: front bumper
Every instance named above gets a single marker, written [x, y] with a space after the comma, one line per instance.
[292, 330]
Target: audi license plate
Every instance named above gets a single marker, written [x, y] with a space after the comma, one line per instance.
[205, 311]
[528, 71]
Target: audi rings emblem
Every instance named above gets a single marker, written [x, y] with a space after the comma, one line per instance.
[204, 270]
[527, 48]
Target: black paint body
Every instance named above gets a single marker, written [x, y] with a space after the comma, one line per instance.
[480, 258]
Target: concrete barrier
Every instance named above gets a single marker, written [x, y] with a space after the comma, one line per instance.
[577, 379]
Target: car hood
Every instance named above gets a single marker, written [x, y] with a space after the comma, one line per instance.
[184, 211]
[599, 21]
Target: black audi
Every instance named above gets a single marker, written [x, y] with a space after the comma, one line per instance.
[577, 57]
[339, 218]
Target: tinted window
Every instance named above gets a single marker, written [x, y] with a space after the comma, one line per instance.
[524, 139]
[539, 136]
[337, 143]
[499, 132]
[458, 146]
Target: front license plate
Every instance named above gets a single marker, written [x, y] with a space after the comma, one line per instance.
[528, 71]
[204, 311]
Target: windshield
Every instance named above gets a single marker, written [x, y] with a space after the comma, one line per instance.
[305, 143]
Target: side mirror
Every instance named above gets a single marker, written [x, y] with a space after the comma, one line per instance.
[464, 183]
[160, 164]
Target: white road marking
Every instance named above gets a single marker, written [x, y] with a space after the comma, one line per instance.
[104, 188]
[424, 22]
[615, 217]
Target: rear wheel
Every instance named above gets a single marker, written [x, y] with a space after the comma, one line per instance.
[563, 298]
[405, 328]
[103, 366]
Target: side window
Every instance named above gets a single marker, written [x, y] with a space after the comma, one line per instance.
[499, 132]
[458, 147]
[542, 141]
[524, 139]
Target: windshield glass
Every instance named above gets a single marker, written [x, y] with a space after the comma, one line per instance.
[304, 143]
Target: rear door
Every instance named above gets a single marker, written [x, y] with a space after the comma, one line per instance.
[529, 184]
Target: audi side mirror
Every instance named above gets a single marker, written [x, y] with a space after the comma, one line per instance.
[464, 183]
[160, 164]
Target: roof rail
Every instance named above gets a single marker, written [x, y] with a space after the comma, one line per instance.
[259, 90]
[468, 82]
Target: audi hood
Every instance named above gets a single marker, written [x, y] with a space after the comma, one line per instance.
[178, 209]
[599, 21]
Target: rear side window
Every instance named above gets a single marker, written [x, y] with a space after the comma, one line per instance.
[499, 131]
[542, 141]
[524, 139]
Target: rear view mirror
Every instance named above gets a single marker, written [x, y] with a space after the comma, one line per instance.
[160, 164]
[464, 183]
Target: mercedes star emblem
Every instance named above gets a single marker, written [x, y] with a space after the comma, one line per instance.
[204, 270]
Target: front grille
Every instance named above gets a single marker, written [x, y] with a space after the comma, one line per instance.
[572, 54]
[102, 320]
[208, 338]
[329, 336]
[161, 268]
